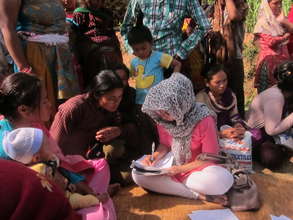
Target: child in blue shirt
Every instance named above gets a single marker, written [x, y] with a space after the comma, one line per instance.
[148, 65]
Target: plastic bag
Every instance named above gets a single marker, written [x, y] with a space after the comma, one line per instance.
[240, 150]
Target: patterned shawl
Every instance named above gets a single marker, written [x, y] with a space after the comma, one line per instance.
[175, 95]
[267, 22]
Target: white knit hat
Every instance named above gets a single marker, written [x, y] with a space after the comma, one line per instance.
[21, 144]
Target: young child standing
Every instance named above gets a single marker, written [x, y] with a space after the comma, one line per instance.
[147, 66]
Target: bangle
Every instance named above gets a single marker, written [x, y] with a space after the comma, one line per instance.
[26, 69]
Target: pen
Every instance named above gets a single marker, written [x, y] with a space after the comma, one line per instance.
[153, 151]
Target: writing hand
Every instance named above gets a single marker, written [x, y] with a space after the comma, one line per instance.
[147, 161]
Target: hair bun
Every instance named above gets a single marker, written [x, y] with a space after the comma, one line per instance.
[283, 75]
[284, 71]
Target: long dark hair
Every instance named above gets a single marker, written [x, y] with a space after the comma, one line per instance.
[103, 82]
[19, 89]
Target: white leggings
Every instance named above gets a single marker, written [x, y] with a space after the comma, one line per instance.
[212, 180]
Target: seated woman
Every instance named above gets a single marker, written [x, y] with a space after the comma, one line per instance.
[91, 119]
[97, 46]
[222, 101]
[24, 103]
[26, 195]
[186, 128]
[272, 40]
[270, 114]
[36, 38]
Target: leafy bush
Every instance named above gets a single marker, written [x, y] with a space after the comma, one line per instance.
[253, 12]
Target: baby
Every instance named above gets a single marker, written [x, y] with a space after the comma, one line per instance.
[31, 147]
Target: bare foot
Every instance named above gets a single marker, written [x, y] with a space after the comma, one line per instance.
[113, 189]
[219, 199]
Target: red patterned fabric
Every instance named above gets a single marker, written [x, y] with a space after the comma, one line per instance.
[271, 54]
[26, 195]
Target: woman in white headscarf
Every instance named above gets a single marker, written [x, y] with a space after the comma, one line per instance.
[186, 128]
[272, 41]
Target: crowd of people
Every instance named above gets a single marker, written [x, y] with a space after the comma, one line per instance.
[70, 123]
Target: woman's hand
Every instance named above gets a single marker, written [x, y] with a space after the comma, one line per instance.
[83, 188]
[236, 133]
[240, 130]
[173, 170]
[229, 133]
[103, 197]
[107, 134]
[176, 65]
[286, 37]
[147, 161]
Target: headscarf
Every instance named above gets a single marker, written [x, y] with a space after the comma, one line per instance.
[175, 95]
[267, 22]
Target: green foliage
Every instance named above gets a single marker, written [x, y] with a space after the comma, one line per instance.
[253, 12]
[250, 52]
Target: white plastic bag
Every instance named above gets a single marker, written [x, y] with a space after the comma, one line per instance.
[240, 150]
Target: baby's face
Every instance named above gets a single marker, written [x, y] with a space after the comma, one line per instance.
[44, 154]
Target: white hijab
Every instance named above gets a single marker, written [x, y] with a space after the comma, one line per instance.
[176, 96]
[267, 22]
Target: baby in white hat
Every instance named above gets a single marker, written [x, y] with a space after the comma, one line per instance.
[30, 146]
[27, 145]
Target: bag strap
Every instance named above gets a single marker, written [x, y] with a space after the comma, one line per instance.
[222, 158]
[211, 157]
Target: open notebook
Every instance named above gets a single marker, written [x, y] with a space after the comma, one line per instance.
[157, 169]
